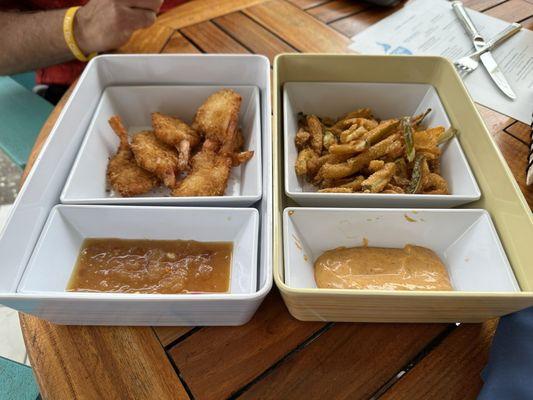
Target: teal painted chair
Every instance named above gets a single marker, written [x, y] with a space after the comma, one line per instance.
[22, 114]
[17, 381]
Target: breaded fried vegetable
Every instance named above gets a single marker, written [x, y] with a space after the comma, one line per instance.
[305, 156]
[375, 165]
[376, 182]
[359, 113]
[435, 184]
[302, 138]
[354, 147]
[415, 185]
[349, 135]
[329, 139]
[407, 131]
[393, 189]
[357, 163]
[241, 158]
[417, 120]
[336, 190]
[317, 133]
[355, 184]
[380, 132]
[446, 135]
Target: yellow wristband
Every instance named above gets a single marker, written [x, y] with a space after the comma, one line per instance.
[68, 33]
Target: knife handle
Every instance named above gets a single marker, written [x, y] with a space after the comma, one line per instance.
[498, 39]
[509, 31]
[460, 11]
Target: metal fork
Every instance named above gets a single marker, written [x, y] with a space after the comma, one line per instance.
[469, 63]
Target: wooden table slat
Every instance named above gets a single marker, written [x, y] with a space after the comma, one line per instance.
[99, 362]
[211, 39]
[494, 120]
[349, 361]
[193, 12]
[515, 153]
[297, 27]
[252, 35]
[520, 131]
[337, 9]
[482, 5]
[169, 334]
[149, 40]
[217, 361]
[353, 24]
[305, 4]
[179, 44]
[451, 371]
[512, 10]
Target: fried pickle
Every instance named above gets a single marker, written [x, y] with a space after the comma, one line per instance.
[123, 173]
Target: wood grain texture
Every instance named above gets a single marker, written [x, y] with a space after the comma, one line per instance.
[211, 39]
[179, 44]
[217, 361]
[149, 40]
[305, 4]
[81, 362]
[349, 361]
[515, 153]
[252, 35]
[482, 5]
[452, 370]
[193, 12]
[169, 334]
[298, 28]
[512, 10]
[494, 121]
[354, 24]
[337, 9]
[520, 131]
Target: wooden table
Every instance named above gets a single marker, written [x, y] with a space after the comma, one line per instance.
[274, 356]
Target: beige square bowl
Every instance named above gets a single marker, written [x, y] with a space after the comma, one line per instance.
[500, 197]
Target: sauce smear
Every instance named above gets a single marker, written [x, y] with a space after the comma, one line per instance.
[151, 266]
[377, 268]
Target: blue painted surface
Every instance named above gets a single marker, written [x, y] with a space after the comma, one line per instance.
[22, 114]
[17, 381]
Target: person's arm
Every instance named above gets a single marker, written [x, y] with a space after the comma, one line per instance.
[34, 40]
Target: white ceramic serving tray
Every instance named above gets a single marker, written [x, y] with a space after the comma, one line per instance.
[464, 239]
[53, 260]
[41, 190]
[87, 184]
[387, 100]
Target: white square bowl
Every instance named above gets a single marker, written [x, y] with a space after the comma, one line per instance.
[387, 100]
[87, 184]
[464, 239]
[57, 250]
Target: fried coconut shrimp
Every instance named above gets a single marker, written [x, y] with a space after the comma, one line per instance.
[123, 173]
[155, 156]
[209, 174]
[175, 132]
[218, 117]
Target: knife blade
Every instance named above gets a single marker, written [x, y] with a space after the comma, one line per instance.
[486, 58]
[496, 74]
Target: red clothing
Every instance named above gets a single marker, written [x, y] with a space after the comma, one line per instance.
[65, 74]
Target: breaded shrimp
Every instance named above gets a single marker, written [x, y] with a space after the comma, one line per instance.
[156, 156]
[123, 173]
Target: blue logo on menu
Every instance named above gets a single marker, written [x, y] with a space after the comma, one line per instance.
[398, 50]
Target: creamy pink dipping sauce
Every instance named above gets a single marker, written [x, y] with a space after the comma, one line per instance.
[377, 268]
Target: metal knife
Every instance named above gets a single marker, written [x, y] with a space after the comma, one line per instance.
[486, 58]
